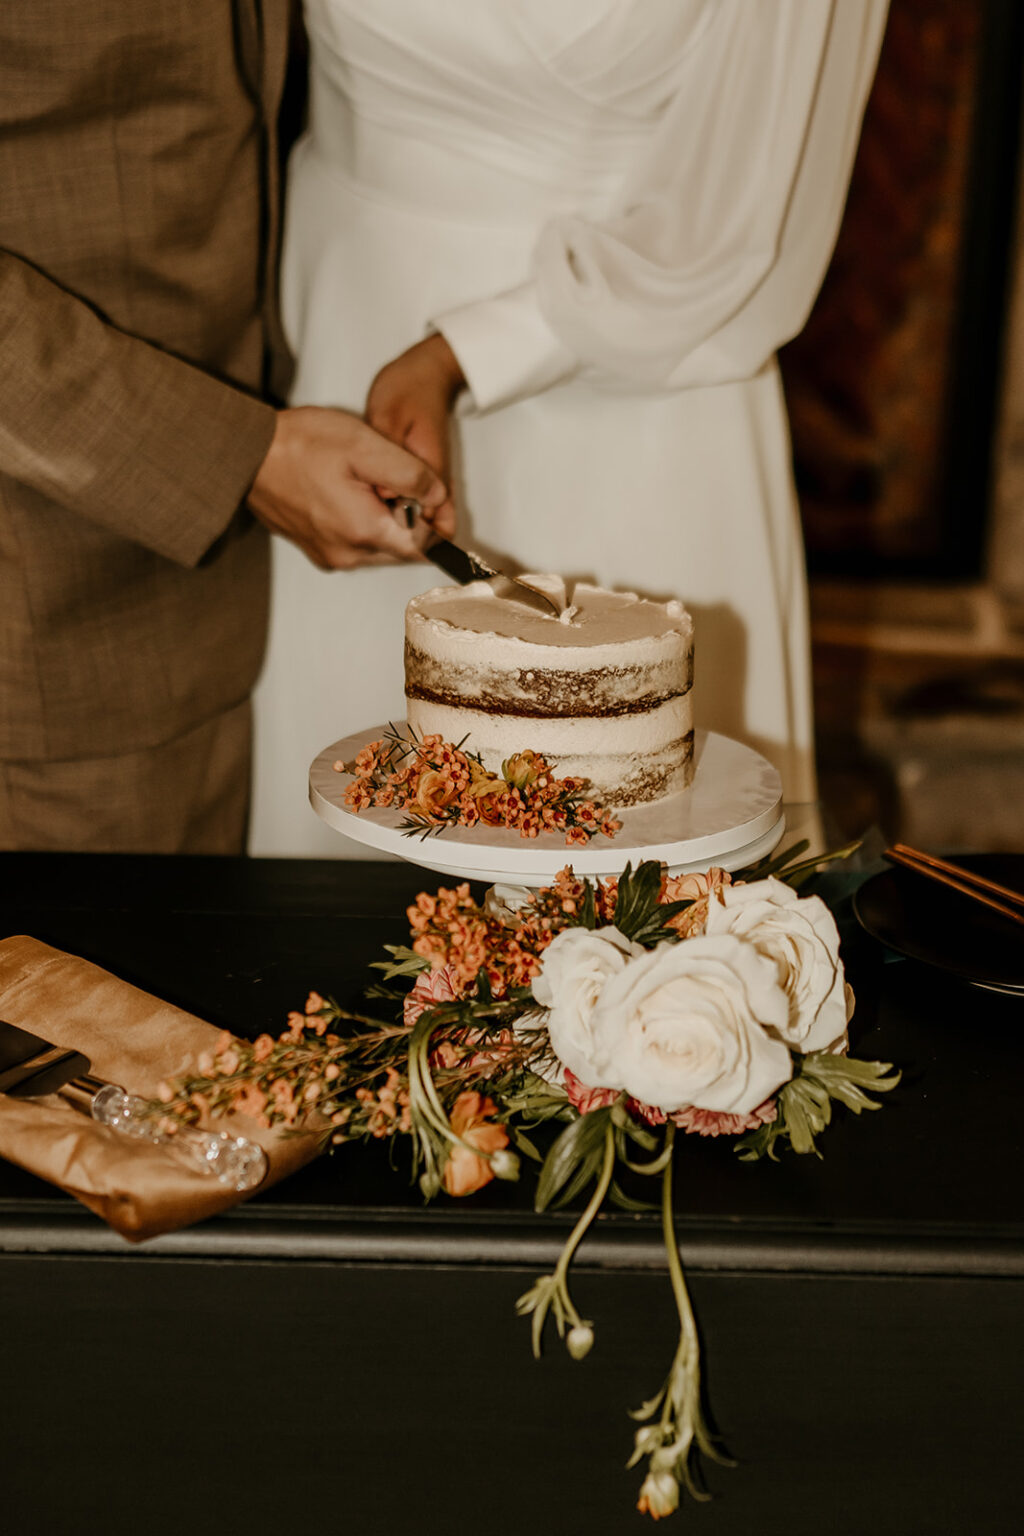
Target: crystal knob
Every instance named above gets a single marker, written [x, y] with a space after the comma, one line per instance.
[232, 1160]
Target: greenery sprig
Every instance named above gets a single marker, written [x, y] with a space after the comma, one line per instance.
[804, 1104]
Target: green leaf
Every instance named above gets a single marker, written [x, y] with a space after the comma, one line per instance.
[525, 1145]
[625, 1202]
[536, 1301]
[537, 1329]
[805, 1102]
[414, 826]
[653, 1166]
[586, 1171]
[404, 962]
[587, 915]
[649, 1409]
[788, 866]
[535, 1104]
[633, 894]
[574, 1144]
[829, 1068]
[771, 864]
[623, 1121]
[656, 929]
[760, 1143]
[638, 913]
[794, 1110]
[798, 875]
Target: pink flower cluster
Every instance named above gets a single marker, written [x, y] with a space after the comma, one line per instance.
[700, 1122]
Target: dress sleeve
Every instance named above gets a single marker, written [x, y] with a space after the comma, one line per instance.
[725, 227]
[115, 429]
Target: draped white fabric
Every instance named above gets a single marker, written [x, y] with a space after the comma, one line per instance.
[616, 211]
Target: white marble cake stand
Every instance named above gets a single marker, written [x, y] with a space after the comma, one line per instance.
[730, 815]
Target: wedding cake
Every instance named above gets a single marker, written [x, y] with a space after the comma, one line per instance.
[602, 690]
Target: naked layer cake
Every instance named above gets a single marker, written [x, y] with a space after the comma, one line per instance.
[603, 691]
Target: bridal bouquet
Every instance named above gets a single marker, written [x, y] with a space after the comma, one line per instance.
[589, 1028]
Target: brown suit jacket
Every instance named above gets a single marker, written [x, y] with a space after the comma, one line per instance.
[138, 216]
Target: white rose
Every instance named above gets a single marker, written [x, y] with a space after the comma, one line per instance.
[798, 933]
[575, 968]
[687, 1024]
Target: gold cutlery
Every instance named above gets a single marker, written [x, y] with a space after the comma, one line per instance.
[1000, 898]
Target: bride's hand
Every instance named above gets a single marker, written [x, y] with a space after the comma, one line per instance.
[410, 402]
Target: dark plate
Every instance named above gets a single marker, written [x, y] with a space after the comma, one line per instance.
[927, 921]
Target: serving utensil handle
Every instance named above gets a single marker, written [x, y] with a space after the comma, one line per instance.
[236, 1161]
[956, 878]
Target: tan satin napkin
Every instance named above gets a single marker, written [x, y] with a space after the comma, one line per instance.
[134, 1040]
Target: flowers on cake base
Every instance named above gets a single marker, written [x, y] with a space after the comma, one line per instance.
[621, 1015]
[439, 785]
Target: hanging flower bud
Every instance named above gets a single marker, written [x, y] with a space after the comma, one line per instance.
[580, 1340]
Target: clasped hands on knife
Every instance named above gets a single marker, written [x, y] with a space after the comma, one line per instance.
[329, 475]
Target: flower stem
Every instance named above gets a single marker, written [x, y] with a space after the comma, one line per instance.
[551, 1292]
[593, 1205]
[561, 1271]
[687, 1322]
[685, 1384]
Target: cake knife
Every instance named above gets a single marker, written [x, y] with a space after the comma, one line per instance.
[463, 566]
[31, 1066]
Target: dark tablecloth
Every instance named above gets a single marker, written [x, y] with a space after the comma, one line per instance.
[336, 1355]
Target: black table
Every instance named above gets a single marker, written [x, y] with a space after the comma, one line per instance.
[334, 1355]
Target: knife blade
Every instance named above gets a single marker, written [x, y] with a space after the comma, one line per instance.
[458, 563]
[30, 1066]
[463, 566]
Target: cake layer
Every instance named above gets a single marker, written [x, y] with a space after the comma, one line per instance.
[611, 653]
[544, 690]
[627, 758]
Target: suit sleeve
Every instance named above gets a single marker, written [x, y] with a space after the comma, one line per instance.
[724, 226]
[115, 429]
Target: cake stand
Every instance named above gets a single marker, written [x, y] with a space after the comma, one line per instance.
[731, 815]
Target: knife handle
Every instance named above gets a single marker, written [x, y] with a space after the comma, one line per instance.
[232, 1160]
[406, 508]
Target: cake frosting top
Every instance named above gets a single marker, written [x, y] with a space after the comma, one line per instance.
[591, 617]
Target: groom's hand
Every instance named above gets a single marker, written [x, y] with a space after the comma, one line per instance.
[323, 484]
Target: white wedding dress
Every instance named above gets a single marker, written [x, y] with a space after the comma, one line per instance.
[615, 211]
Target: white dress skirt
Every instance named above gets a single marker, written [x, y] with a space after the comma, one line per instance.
[615, 211]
